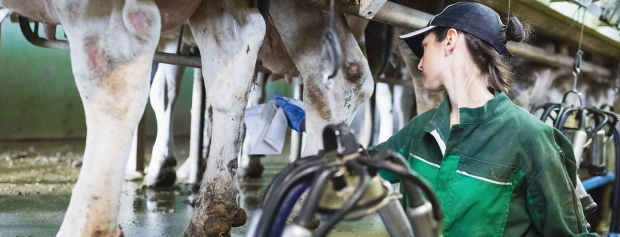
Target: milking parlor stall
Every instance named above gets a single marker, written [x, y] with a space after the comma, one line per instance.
[255, 118]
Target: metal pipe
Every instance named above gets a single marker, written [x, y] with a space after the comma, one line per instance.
[540, 55]
[177, 59]
[411, 19]
[395, 220]
[24, 25]
[422, 222]
[168, 58]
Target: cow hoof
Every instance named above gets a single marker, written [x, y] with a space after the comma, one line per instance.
[166, 177]
[240, 218]
[255, 168]
[221, 225]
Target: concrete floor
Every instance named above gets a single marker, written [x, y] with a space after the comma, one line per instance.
[36, 179]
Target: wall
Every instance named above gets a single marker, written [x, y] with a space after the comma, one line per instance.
[39, 98]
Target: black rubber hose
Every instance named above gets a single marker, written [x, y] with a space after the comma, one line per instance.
[416, 198]
[286, 173]
[405, 173]
[603, 106]
[277, 180]
[615, 211]
[360, 171]
[284, 211]
[548, 111]
[558, 118]
[601, 123]
[279, 193]
[537, 108]
[314, 197]
[562, 117]
[547, 108]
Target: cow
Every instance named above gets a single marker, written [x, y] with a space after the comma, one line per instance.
[112, 44]
[272, 55]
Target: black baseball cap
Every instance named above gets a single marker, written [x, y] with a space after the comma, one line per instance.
[473, 18]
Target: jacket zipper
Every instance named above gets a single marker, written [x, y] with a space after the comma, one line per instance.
[575, 205]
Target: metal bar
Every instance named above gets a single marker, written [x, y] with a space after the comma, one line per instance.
[540, 55]
[411, 19]
[554, 24]
[24, 25]
[176, 59]
[160, 57]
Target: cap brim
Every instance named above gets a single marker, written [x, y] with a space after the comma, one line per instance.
[414, 40]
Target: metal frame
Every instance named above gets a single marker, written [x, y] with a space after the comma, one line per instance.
[161, 57]
[411, 19]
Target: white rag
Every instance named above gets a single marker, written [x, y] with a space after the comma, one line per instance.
[266, 125]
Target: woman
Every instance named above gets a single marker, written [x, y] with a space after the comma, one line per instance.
[496, 170]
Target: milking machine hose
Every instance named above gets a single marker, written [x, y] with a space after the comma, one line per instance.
[601, 123]
[282, 175]
[285, 210]
[405, 173]
[271, 208]
[349, 204]
[547, 110]
[415, 199]
[311, 204]
[563, 116]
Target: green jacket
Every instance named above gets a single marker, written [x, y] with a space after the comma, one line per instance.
[499, 172]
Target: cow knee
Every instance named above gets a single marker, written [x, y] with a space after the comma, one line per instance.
[358, 73]
[142, 19]
[355, 71]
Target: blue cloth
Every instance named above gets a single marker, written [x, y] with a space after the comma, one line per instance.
[294, 114]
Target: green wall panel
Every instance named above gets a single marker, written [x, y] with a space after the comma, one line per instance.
[39, 98]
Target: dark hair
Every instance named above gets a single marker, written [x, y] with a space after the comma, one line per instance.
[492, 64]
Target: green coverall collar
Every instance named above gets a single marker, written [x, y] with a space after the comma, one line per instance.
[493, 108]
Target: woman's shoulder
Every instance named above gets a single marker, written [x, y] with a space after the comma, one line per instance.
[526, 123]
[538, 140]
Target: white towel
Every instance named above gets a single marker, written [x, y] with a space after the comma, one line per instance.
[266, 126]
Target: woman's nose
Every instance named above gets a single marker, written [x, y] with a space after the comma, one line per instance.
[420, 63]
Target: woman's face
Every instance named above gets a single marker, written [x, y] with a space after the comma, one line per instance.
[433, 63]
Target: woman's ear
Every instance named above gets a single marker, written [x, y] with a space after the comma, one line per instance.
[450, 41]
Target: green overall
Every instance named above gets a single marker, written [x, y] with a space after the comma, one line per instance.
[499, 172]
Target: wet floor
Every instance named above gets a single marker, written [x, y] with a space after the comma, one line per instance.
[36, 178]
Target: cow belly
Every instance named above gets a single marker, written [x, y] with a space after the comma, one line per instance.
[273, 53]
[175, 12]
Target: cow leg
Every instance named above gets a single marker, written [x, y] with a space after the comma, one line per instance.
[164, 93]
[111, 54]
[398, 108]
[302, 36]
[188, 172]
[250, 165]
[231, 31]
[384, 107]
[295, 136]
